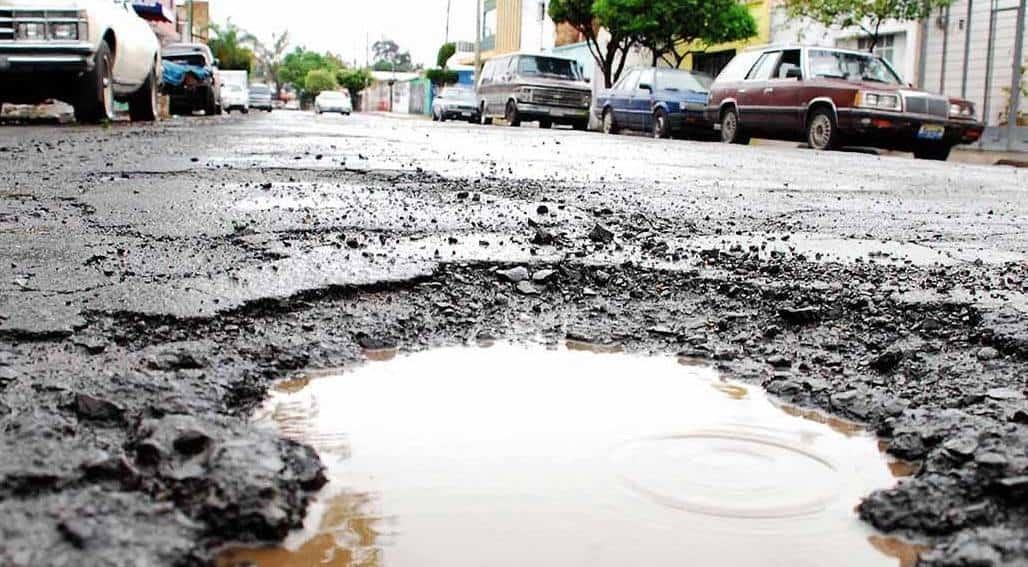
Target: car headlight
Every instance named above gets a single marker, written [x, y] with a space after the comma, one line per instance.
[881, 101]
[961, 110]
[64, 31]
[524, 94]
[30, 31]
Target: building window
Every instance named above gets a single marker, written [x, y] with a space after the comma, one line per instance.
[886, 47]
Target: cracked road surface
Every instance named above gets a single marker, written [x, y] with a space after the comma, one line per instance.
[156, 280]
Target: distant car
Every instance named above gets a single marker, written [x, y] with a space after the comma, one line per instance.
[234, 97]
[200, 90]
[525, 87]
[88, 53]
[832, 97]
[260, 97]
[333, 101]
[457, 103]
[666, 102]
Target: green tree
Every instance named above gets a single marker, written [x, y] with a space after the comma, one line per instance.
[388, 57]
[441, 77]
[300, 62]
[672, 29]
[230, 45]
[319, 81]
[610, 55]
[445, 53]
[271, 57]
[868, 15]
[354, 80]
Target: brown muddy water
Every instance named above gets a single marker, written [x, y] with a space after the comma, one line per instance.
[518, 455]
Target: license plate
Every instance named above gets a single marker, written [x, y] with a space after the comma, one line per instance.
[931, 132]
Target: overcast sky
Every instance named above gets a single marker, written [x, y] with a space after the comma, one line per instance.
[345, 27]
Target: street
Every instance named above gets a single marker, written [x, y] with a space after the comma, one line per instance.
[159, 278]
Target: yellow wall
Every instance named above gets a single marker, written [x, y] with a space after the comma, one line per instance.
[761, 12]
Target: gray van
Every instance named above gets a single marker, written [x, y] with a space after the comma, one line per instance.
[523, 87]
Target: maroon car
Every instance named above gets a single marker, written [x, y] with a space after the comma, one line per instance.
[832, 97]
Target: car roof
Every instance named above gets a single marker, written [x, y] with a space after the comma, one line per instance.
[784, 46]
[530, 54]
[181, 48]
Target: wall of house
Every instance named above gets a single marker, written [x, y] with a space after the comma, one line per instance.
[761, 12]
[538, 33]
[967, 24]
[201, 21]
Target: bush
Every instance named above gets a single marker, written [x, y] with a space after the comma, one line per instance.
[319, 81]
[441, 77]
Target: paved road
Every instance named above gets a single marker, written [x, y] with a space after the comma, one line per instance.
[156, 278]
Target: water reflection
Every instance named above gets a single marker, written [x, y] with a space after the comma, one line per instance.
[514, 456]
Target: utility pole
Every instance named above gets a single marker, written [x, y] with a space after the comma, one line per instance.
[1015, 86]
[189, 18]
[478, 40]
[448, 4]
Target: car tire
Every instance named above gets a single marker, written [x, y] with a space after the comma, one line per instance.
[244, 110]
[143, 106]
[442, 117]
[731, 132]
[822, 132]
[609, 126]
[934, 152]
[210, 105]
[95, 101]
[435, 117]
[581, 125]
[512, 115]
[661, 125]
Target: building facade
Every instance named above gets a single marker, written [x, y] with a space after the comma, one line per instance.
[201, 21]
[712, 59]
[516, 25]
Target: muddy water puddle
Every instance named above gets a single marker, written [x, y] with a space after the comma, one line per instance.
[519, 456]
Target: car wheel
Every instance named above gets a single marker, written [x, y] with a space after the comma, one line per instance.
[546, 124]
[731, 132]
[210, 106]
[435, 116]
[822, 133]
[935, 152]
[143, 106]
[609, 126]
[512, 116]
[661, 127]
[244, 110]
[96, 92]
[442, 117]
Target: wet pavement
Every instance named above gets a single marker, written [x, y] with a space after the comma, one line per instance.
[157, 280]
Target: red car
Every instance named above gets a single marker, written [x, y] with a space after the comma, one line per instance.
[832, 97]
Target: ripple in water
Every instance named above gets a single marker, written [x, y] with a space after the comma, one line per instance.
[514, 456]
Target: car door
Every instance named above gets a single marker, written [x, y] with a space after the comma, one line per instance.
[754, 94]
[642, 101]
[485, 85]
[783, 91]
[134, 56]
[621, 96]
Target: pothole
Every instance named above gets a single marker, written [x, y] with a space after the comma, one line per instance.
[514, 455]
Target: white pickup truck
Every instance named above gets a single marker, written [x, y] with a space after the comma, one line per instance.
[88, 53]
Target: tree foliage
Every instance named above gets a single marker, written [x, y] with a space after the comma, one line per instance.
[447, 51]
[868, 15]
[388, 57]
[610, 55]
[319, 81]
[231, 46]
[441, 77]
[354, 80]
[300, 62]
[271, 57]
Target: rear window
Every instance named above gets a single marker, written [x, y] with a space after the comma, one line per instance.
[739, 67]
[195, 59]
[259, 89]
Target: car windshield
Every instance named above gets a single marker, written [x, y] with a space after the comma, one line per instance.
[683, 81]
[453, 92]
[851, 66]
[549, 67]
[259, 90]
[196, 59]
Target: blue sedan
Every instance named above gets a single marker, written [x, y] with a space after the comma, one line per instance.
[666, 102]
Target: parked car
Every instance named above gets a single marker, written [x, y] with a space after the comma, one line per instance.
[666, 102]
[88, 53]
[458, 103]
[201, 89]
[333, 101]
[524, 87]
[832, 97]
[234, 97]
[260, 97]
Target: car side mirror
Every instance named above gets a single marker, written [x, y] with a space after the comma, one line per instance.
[217, 62]
[793, 73]
[645, 87]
